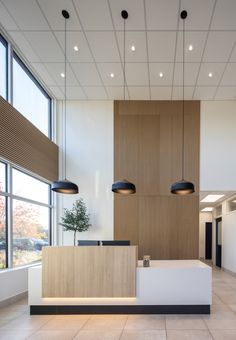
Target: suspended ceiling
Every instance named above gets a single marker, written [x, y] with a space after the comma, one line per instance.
[36, 28]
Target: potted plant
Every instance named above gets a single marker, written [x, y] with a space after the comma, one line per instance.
[76, 219]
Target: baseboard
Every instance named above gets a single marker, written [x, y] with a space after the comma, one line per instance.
[228, 271]
[118, 309]
[13, 299]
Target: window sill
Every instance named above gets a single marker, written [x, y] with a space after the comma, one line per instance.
[7, 270]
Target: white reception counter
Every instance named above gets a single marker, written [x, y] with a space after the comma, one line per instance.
[179, 286]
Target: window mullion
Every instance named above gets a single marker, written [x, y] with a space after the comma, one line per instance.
[9, 218]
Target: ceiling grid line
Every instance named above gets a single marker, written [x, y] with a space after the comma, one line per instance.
[175, 54]
[146, 39]
[116, 39]
[90, 49]
[205, 44]
[71, 69]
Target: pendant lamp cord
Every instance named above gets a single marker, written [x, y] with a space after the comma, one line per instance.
[183, 102]
[65, 107]
[124, 60]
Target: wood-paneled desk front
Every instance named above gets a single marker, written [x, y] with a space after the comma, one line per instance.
[101, 271]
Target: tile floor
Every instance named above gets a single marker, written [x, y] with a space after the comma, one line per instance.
[17, 324]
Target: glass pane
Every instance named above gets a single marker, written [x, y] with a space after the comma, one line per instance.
[30, 232]
[2, 232]
[29, 100]
[29, 187]
[2, 177]
[3, 69]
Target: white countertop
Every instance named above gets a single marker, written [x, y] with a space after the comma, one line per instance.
[175, 264]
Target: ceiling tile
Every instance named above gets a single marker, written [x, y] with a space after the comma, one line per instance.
[161, 93]
[177, 93]
[44, 74]
[139, 93]
[45, 46]
[215, 68]
[104, 47]
[135, 9]
[57, 93]
[52, 11]
[138, 39]
[24, 46]
[162, 14]
[106, 69]
[95, 93]
[199, 13]
[219, 46]
[204, 93]
[161, 46]
[116, 93]
[94, 15]
[190, 76]
[156, 68]
[87, 74]
[75, 39]
[74, 93]
[55, 70]
[229, 77]
[225, 93]
[6, 19]
[224, 15]
[137, 74]
[197, 40]
[26, 14]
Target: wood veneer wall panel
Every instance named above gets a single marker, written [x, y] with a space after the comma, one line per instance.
[162, 224]
[148, 168]
[105, 271]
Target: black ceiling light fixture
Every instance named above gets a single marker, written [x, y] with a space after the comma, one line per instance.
[183, 187]
[123, 186]
[64, 186]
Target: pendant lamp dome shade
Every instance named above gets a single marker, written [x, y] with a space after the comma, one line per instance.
[64, 186]
[123, 187]
[182, 187]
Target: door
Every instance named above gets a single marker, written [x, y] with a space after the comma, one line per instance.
[208, 241]
[218, 241]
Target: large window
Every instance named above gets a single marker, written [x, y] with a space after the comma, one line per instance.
[27, 205]
[3, 67]
[3, 237]
[29, 98]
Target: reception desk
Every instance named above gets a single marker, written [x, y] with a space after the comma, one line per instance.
[166, 287]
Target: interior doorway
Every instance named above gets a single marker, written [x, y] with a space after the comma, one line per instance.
[208, 240]
[218, 241]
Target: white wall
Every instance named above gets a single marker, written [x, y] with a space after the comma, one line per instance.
[13, 282]
[90, 165]
[217, 146]
[228, 238]
[203, 218]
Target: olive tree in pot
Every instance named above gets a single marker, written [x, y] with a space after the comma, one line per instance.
[76, 219]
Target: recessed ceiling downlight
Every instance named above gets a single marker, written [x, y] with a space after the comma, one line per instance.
[62, 74]
[161, 75]
[76, 48]
[190, 47]
[133, 48]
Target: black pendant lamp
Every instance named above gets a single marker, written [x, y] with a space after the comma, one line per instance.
[123, 186]
[64, 186]
[183, 187]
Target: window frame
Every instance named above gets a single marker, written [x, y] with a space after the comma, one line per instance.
[9, 196]
[5, 43]
[39, 86]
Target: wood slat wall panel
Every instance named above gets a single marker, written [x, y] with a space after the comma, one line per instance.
[163, 225]
[23, 144]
